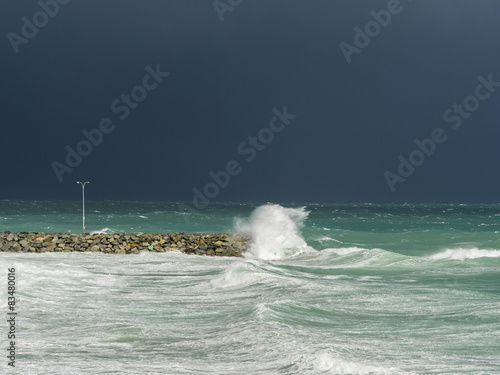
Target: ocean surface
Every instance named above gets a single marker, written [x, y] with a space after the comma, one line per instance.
[324, 289]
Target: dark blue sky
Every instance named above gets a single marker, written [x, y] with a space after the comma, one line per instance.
[357, 113]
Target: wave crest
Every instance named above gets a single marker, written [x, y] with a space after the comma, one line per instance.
[102, 231]
[275, 232]
[463, 254]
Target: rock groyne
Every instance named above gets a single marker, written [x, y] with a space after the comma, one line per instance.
[214, 244]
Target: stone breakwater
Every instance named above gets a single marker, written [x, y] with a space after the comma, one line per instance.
[214, 244]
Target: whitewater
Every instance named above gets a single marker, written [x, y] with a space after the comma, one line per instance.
[323, 289]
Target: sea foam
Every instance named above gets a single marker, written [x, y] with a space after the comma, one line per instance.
[275, 232]
[327, 363]
[102, 231]
[463, 254]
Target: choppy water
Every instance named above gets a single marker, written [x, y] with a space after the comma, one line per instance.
[325, 289]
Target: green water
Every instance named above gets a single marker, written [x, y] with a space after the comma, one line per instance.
[325, 289]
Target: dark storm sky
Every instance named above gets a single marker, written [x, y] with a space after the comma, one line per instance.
[225, 78]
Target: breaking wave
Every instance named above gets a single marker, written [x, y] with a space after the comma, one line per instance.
[463, 254]
[275, 232]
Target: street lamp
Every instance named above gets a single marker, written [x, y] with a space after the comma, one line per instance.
[83, 200]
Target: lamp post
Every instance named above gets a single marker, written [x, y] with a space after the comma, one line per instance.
[83, 202]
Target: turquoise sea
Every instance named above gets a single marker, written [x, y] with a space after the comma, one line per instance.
[324, 289]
